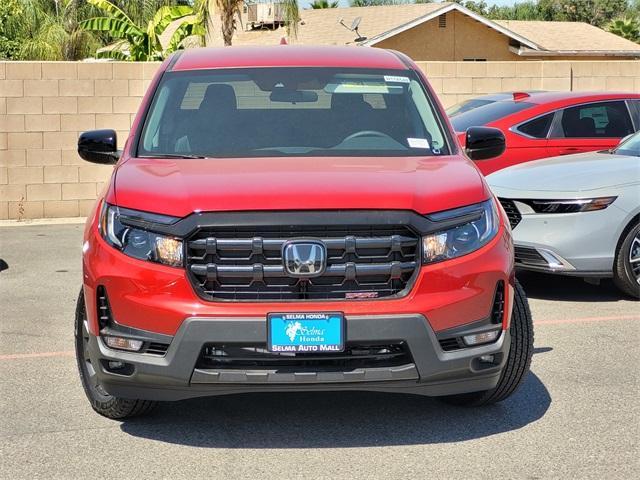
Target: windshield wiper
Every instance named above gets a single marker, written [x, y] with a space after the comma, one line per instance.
[172, 155]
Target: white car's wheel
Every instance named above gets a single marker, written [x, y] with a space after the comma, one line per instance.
[626, 272]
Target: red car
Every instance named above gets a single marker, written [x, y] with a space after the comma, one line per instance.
[296, 218]
[546, 124]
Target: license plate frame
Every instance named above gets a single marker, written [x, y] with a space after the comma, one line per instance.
[315, 332]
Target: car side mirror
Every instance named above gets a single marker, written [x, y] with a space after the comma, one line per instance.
[99, 146]
[483, 143]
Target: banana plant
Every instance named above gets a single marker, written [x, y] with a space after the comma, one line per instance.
[140, 42]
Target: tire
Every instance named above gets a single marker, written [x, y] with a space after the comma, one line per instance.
[626, 275]
[103, 403]
[518, 361]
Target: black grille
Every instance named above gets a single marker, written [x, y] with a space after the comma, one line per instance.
[245, 264]
[156, 348]
[257, 357]
[104, 310]
[512, 212]
[449, 344]
[529, 256]
[497, 311]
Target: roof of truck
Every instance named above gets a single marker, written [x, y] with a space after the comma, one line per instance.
[287, 56]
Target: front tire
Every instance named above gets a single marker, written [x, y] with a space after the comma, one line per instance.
[102, 402]
[626, 270]
[518, 361]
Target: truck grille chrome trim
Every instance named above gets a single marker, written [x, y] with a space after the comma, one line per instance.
[246, 264]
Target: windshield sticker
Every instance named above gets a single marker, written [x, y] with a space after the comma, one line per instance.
[396, 79]
[418, 142]
[356, 87]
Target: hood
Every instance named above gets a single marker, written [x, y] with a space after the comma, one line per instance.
[179, 187]
[570, 173]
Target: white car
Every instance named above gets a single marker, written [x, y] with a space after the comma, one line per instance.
[577, 214]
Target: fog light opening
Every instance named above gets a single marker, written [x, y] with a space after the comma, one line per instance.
[121, 343]
[481, 338]
[119, 365]
[487, 359]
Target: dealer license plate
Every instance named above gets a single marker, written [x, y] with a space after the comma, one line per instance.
[305, 332]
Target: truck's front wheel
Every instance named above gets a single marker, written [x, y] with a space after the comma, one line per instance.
[518, 361]
[103, 403]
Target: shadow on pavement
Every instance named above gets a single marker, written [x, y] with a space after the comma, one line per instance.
[556, 287]
[334, 420]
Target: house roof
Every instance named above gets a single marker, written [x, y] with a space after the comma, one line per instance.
[322, 27]
[569, 37]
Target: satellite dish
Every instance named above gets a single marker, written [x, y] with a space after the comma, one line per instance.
[354, 28]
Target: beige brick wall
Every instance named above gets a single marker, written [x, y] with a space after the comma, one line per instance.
[43, 108]
[45, 105]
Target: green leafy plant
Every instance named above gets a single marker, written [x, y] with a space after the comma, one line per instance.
[140, 42]
[627, 27]
[320, 4]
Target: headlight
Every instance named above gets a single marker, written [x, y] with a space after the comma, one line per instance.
[569, 206]
[472, 227]
[137, 242]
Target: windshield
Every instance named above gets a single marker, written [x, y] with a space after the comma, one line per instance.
[467, 106]
[291, 112]
[630, 147]
[487, 113]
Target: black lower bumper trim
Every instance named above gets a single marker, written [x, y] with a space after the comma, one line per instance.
[174, 376]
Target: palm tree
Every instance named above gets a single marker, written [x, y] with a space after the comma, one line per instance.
[320, 4]
[140, 42]
[628, 28]
[49, 30]
[229, 10]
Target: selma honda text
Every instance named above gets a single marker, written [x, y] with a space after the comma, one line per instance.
[296, 218]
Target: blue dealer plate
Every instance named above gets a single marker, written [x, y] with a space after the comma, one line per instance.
[305, 332]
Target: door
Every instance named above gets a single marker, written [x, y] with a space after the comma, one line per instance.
[589, 127]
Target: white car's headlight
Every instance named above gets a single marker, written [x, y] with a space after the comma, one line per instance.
[570, 205]
[472, 228]
[138, 242]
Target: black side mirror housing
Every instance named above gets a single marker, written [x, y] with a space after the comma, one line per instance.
[99, 146]
[483, 143]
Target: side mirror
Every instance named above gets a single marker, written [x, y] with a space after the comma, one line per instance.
[99, 146]
[483, 143]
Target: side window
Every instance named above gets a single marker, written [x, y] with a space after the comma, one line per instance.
[595, 120]
[538, 127]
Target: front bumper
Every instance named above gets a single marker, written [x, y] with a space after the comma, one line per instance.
[582, 244]
[174, 376]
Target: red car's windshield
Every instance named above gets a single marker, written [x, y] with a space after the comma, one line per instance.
[486, 114]
[258, 112]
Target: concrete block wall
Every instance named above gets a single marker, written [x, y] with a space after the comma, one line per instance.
[43, 108]
[45, 105]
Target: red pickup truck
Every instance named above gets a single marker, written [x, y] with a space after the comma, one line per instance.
[296, 218]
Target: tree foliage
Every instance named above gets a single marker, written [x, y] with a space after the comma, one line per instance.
[140, 41]
[44, 30]
[320, 4]
[628, 28]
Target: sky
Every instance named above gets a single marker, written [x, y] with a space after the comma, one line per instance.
[345, 3]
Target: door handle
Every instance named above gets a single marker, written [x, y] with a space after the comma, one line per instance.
[569, 150]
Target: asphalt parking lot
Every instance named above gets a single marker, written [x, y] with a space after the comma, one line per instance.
[576, 416]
